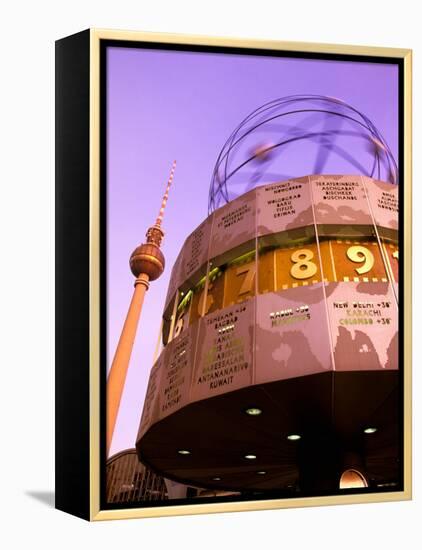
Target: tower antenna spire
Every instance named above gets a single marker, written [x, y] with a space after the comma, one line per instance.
[166, 195]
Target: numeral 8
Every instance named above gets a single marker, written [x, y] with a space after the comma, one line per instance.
[303, 268]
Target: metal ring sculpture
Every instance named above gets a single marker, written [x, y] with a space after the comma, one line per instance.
[323, 120]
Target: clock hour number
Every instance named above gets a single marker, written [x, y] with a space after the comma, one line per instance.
[209, 300]
[360, 254]
[247, 283]
[178, 328]
[303, 268]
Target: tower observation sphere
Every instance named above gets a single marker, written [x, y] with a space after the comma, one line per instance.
[148, 258]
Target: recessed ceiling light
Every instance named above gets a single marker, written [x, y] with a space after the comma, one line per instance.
[370, 430]
[250, 457]
[183, 452]
[261, 473]
[294, 437]
[216, 478]
[253, 411]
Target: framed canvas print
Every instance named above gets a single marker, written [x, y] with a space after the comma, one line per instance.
[233, 274]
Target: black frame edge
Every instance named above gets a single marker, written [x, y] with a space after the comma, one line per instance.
[72, 87]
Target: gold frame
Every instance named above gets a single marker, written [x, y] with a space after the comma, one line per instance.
[96, 513]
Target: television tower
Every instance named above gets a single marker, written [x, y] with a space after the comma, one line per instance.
[147, 264]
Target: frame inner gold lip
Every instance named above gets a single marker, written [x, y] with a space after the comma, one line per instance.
[96, 35]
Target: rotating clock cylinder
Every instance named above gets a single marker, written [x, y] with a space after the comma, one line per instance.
[280, 342]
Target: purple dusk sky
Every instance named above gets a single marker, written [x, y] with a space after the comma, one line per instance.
[180, 105]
